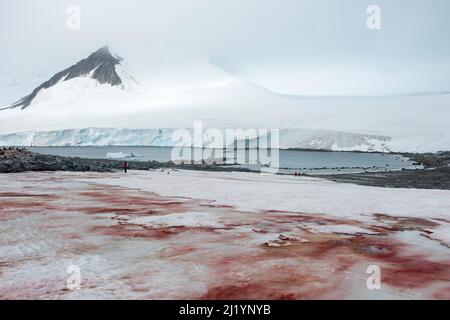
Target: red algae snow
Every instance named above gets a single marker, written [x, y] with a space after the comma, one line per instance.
[134, 243]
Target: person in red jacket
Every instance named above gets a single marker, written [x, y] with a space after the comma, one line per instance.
[125, 167]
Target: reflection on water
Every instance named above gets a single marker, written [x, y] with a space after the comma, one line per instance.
[289, 160]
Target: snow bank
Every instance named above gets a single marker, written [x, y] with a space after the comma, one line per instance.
[257, 192]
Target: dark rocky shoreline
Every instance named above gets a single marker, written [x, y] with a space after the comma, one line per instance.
[20, 160]
[435, 175]
[437, 178]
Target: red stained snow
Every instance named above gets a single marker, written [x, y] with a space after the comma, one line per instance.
[237, 264]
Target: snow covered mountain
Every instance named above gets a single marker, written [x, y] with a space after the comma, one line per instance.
[97, 102]
[100, 65]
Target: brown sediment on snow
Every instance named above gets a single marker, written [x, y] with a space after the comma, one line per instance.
[405, 223]
[139, 231]
[21, 194]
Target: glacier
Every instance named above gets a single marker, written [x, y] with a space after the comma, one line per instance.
[162, 137]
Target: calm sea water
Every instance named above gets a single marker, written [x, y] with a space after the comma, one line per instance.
[290, 160]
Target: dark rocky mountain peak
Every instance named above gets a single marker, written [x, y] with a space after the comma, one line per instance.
[100, 65]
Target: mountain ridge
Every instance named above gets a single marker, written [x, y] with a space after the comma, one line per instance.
[100, 65]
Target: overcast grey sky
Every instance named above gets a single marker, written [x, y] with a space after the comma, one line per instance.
[291, 46]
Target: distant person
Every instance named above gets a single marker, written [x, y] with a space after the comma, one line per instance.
[125, 167]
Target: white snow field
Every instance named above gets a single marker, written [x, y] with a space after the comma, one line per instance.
[207, 235]
[83, 112]
[256, 192]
